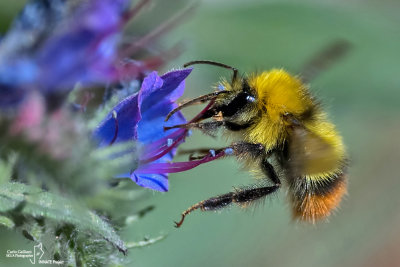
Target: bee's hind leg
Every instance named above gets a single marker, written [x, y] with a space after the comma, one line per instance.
[241, 196]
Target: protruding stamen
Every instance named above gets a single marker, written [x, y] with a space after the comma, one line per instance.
[157, 32]
[115, 117]
[183, 126]
[176, 138]
[131, 13]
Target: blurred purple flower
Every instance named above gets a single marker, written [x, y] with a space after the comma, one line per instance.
[140, 118]
[85, 47]
[50, 51]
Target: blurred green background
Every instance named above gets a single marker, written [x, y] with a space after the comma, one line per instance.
[361, 92]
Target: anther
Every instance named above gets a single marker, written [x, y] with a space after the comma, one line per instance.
[228, 151]
[169, 142]
[212, 152]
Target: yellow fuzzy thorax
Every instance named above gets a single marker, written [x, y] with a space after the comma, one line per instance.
[280, 93]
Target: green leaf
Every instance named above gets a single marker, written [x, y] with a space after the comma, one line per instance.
[6, 167]
[34, 202]
[7, 222]
[145, 242]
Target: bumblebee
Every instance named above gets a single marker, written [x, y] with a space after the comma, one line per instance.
[277, 127]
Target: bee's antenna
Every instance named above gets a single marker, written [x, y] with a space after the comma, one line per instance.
[200, 99]
[209, 62]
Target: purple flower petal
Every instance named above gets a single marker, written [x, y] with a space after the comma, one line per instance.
[139, 120]
[174, 79]
[156, 100]
[157, 182]
[128, 116]
[171, 89]
[151, 84]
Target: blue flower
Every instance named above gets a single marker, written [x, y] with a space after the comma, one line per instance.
[140, 118]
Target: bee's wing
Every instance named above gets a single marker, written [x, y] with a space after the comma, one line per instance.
[310, 154]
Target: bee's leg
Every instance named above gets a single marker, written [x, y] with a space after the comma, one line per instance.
[205, 126]
[240, 196]
[235, 126]
[210, 128]
[238, 149]
[201, 152]
[269, 171]
[256, 152]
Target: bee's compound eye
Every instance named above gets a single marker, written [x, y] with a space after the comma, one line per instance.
[250, 98]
